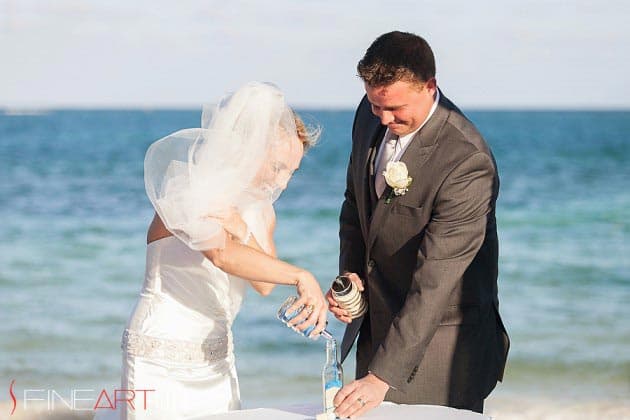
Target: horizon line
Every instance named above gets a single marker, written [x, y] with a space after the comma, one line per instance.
[16, 110]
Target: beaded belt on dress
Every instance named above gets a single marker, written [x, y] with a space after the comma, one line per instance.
[142, 345]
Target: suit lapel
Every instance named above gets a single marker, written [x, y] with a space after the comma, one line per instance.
[414, 157]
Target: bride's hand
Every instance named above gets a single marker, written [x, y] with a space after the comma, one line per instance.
[233, 224]
[314, 311]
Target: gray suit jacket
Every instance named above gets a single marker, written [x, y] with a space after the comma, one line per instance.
[429, 260]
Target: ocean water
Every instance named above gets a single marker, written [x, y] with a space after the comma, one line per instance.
[72, 241]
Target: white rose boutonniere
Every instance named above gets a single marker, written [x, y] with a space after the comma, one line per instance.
[397, 176]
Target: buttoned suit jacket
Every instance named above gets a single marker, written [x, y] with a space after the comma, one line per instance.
[429, 261]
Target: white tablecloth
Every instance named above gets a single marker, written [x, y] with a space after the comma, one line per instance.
[386, 411]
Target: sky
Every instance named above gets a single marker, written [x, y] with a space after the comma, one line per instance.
[180, 54]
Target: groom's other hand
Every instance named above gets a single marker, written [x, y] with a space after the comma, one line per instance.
[341, 314]
[360, 396]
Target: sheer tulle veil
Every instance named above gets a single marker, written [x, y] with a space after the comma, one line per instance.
[231, 161]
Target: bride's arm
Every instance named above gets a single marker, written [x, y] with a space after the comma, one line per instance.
[246, 262]
[264, 288]
[261, 287]
[236, 227]
[249, 261]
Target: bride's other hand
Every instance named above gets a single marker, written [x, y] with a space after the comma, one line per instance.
[314, 311]
[233, 224]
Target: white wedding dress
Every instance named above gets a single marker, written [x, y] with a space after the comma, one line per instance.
[178, 340]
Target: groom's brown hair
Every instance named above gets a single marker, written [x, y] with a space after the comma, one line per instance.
[397, 56]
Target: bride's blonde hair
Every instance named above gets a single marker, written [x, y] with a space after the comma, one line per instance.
[307, 135]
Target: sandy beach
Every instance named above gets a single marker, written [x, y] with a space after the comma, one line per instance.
[535, 408]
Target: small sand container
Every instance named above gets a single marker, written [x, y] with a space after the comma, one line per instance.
[347, 294]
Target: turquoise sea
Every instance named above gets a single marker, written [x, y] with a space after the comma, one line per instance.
[73, 219]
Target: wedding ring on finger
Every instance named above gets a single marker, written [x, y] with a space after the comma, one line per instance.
[360, 401]
[310, 309]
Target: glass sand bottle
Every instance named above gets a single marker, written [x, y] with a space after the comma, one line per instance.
[332, 377]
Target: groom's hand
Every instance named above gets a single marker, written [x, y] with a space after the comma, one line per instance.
[360, 396]
[341, 314]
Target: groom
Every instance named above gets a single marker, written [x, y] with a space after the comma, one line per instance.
[424, 245]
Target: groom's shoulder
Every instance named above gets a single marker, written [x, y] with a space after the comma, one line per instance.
[460, 129]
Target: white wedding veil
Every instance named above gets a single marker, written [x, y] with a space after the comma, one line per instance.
[231, 162]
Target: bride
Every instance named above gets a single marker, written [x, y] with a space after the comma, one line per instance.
[212, 189]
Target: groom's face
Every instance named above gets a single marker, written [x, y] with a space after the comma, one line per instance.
[402, 106]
